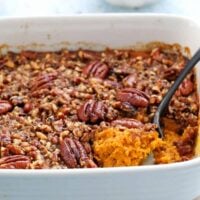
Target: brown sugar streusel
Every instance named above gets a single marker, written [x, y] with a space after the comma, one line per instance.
[63, 109]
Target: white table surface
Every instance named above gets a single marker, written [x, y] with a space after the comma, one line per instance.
[61, 7]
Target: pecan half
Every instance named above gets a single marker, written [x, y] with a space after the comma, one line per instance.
[128, 123]
[92, 111]
[14, 162]
[133, 96]
[5, 106]
[96, 69]
[67, 153]
[74, 154]
[42, 81]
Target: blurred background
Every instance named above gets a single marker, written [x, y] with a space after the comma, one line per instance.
[62, 7]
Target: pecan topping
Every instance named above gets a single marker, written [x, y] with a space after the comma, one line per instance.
[5, 106]
[52, 104]
[139, 54]
[92, 111]
[29, 54]
[14, 162]
[74, 154]
[184, 148]
[42, 81]
[96, 69]
[128, 123]
[185, 144]
[133, 96]
[186, 87]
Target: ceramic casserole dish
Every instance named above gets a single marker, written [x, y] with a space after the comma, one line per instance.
[178, 181]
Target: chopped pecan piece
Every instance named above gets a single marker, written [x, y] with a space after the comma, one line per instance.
[130, 81]
[186, 87]
[28, 107]
[5, 106]
[128, 123]
[14, 149]
[173, 71]
[88, 55]
[162, 57]
[92, 111]
[133, 96]
[96, 69]
[170, 73]
[14, 162]
[29, 54]
[112, 84]
[2, 61]
[123, 70]
[126, 109]
[74, 154]
[5, 137]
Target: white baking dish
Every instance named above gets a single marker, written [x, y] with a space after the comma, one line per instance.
[179, 181]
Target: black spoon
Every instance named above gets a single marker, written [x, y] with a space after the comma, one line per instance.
[165, 102]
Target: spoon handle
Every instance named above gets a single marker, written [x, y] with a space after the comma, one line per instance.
[165, 101]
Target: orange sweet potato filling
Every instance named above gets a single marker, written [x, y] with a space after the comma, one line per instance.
[114, 147]
[130, 147]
